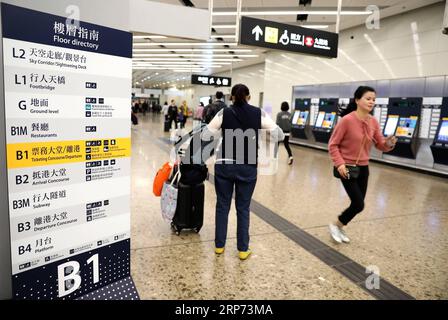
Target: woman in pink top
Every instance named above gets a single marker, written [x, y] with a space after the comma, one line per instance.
[350, 143]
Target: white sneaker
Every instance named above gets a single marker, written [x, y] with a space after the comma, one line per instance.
[335, 234]
[290, 160]
[343, 236]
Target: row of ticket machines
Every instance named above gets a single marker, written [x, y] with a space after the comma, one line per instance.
[311, 121]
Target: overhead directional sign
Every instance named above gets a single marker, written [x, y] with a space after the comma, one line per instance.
[274, 35]
[211, 80]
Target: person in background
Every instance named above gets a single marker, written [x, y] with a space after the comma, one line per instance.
[136, 107]
[212, 109]
[173, 114]
[210, 102]
[238, 170]
[199, 111]
[145, 107]
[184, 110]
[181, 117]
[284, 122]
[350, 144]
[165, 110]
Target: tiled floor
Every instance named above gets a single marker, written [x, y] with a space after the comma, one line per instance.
[403, 231]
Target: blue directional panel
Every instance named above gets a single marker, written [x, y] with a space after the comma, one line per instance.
[73, 277]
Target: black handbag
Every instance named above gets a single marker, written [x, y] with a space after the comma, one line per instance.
[353, 170]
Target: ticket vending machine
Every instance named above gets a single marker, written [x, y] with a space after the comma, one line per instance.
[326, 119]
[300, 118]
[403, 119]
[439, 147]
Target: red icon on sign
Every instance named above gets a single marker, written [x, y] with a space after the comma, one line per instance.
[309, 41]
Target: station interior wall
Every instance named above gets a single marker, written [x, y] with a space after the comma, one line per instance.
[408, 45]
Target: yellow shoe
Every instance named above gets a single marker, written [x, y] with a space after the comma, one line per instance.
[219, 250]
[243, 255]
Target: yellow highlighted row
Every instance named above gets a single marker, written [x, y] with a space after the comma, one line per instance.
[23, 155]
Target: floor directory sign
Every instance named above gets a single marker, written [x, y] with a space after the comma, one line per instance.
[67, 97]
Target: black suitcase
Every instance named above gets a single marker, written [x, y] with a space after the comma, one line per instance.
[190, 208]
[167, 126]
[134, 119]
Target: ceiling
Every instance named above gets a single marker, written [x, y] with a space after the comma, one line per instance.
[167, 65]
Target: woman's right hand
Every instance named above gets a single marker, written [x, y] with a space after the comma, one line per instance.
[343, 171]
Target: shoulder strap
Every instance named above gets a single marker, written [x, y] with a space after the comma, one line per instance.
[360, 150]
[362, 144]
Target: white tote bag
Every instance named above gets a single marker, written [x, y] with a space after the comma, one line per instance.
[168, 201]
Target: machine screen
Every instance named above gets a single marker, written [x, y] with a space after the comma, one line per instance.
[443, 132]
[406, 127]
[320, 119]
[391, 125]
[295, 117]
[303, 117]
[329, 120]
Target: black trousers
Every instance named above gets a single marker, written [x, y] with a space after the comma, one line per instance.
[286, 143]
[356, 190]
[171, 120]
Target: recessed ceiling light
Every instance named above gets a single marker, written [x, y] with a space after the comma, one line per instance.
[191, 50]
[191, 59]
[287, 13]
[224, 26]
[317, 26]
[149, 37]
[186, 44]
[138, 55]
[224, 36]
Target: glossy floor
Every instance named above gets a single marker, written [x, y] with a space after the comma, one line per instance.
[403, 233]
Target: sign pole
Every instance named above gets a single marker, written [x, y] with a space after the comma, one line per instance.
[238, 19]
[338, 17]
[210, 8]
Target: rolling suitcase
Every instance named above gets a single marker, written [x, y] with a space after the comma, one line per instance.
[190, 208]
[167, 126]
[134, 119]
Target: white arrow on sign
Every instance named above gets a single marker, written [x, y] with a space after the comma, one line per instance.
[258, 32]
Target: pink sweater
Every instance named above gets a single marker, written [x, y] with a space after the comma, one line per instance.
[346, 140]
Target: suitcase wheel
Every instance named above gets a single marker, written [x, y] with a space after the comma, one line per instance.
[176, 229]
[197, 230]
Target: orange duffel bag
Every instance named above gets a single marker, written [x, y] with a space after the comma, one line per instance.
[162, 175]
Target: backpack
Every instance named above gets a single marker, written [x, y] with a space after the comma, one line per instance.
[161, 177]
[213, 109]
[192, 149]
